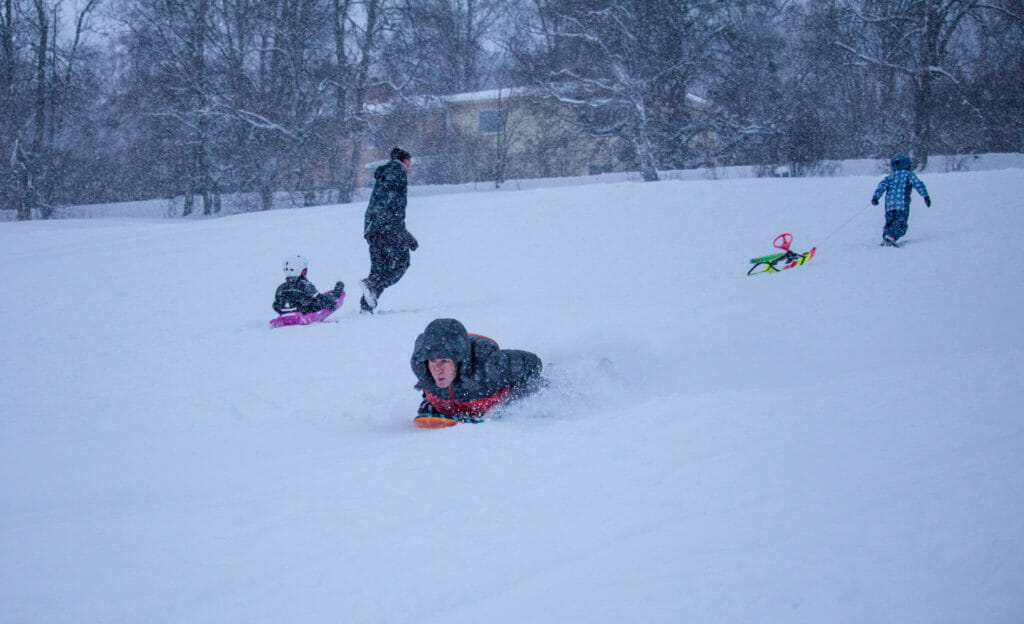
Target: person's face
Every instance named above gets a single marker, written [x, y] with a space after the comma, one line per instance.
[443, 372]
[408, 163]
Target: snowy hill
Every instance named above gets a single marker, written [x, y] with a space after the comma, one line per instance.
[841, 442]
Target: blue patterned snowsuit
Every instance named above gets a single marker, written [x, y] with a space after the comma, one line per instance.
[896, 187]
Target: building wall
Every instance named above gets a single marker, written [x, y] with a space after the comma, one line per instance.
[539, 139]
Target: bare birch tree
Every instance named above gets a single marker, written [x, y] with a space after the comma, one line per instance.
[917, 40]
[626, 66]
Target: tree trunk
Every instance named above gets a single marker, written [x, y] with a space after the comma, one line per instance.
[937, 18]
[7, 59]
[268, 176]
[921, 141]
[266, 196]
[29, 174]
[207, 202]
[339, 161]
[647, 167]
[20, 183]
[358, 127]
[642, 143]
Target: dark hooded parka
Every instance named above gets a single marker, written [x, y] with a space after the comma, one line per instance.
[384, 227]
[486, 375]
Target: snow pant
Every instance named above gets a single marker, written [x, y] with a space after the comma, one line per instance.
[389, 260]
[896, 223]
[323, 301]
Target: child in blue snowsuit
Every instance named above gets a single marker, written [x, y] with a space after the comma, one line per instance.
[896, 188]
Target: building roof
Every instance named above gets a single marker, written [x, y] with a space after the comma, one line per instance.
[438, 102]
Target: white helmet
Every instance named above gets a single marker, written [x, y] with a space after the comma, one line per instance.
[295, 265]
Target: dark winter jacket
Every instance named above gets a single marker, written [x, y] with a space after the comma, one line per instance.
[296, 293]
[486, 374]
[896, 187]
[385, 214]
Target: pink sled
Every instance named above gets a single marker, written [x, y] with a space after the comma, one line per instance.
[296, 318]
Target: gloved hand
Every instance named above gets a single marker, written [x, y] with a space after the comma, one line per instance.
[411, 242]
[426, 409]
[874, 201]
[927, 201]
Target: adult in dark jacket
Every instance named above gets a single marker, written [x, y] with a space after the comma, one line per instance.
[464, 375]
[384, 228]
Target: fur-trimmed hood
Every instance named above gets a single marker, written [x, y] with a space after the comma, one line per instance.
[443, 339]
[485, 372]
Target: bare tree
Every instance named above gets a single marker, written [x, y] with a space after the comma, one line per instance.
[917, 41]
[200, 97]
[358, 38]
[443, 43]
[289, 86]
[38, 73]
[626, 66]
[245, 82]
[178, 86]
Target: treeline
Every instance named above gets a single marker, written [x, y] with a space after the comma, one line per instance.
[104, 100]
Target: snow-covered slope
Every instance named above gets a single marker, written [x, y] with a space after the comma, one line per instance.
[837, 443]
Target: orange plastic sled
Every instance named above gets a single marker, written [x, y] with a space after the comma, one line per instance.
[433, 422]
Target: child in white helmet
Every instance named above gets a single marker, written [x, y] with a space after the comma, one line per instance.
[298, 294]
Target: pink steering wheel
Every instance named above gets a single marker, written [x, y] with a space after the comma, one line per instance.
[783, 241]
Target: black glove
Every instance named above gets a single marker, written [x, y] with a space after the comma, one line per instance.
[411, 242]
[874, 201]
[426, 409]
[927, 201]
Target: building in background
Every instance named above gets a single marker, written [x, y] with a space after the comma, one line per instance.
[491, 136]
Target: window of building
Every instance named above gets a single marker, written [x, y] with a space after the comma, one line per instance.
[491, 121]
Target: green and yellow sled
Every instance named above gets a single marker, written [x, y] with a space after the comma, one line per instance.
[786, 259]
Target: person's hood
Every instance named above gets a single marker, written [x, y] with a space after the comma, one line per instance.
[901, 161]
[390, 168]
[444, 339]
